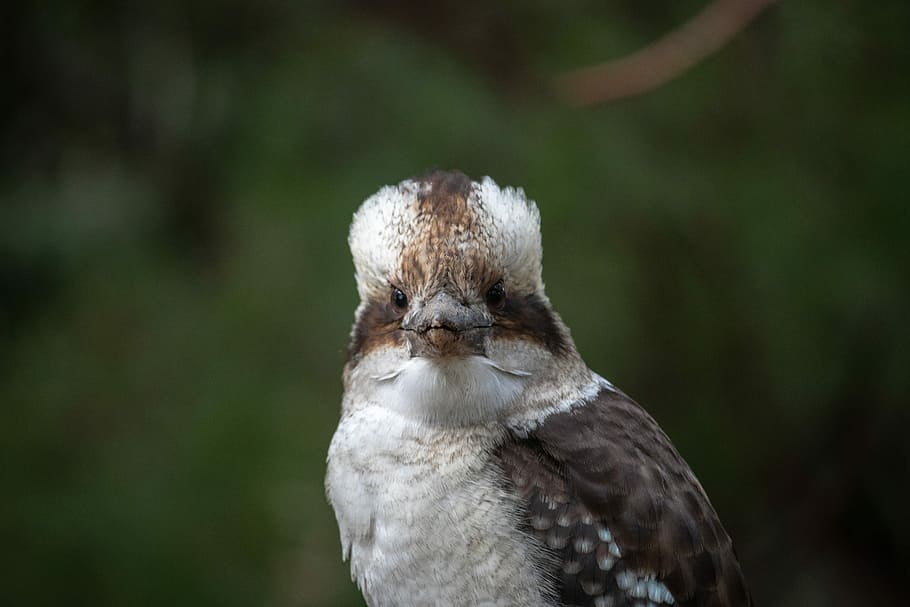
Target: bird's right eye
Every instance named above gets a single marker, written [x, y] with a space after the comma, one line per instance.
[399, 299]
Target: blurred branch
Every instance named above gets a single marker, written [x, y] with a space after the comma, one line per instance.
[663, 60]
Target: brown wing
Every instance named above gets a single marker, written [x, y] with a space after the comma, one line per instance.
[627, 521]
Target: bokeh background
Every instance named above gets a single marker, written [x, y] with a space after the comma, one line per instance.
[176, 293]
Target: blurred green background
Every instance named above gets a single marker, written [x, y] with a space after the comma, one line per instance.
[176, 292]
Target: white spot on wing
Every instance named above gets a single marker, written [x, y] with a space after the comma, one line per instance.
[644, 586]
[624, 580]
[572, 567]
[540, 523]
[557, 541]
[584, 545]
[605, 563]
[659, 593]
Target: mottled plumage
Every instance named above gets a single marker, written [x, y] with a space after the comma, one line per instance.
[478, 460]
[607, 491]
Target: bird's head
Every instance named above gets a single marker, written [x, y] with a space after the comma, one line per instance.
[453, 318]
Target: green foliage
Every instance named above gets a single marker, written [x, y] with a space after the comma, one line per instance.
[176, 289]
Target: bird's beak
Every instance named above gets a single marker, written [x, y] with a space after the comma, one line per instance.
[445, 326]
[442, 311]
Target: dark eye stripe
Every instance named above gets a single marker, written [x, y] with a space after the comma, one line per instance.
[532, 317]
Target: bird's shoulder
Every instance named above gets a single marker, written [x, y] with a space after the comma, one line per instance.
[626, 521]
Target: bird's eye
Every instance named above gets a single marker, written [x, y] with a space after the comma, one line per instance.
[399, 299]
[496, 295]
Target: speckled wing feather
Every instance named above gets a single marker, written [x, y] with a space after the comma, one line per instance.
[627, 521]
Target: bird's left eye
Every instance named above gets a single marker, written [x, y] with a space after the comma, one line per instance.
[496, 295]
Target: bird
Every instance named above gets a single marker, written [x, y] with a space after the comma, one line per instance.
[478, 460]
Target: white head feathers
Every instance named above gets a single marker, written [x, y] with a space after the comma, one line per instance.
[445, 216]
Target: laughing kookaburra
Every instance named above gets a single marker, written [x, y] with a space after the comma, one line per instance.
[478, 461]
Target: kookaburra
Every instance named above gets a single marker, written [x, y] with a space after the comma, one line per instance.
[478, 460]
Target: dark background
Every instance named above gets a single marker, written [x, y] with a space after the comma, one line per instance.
[176, 291]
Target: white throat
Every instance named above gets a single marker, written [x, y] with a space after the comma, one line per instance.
[450, 392]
